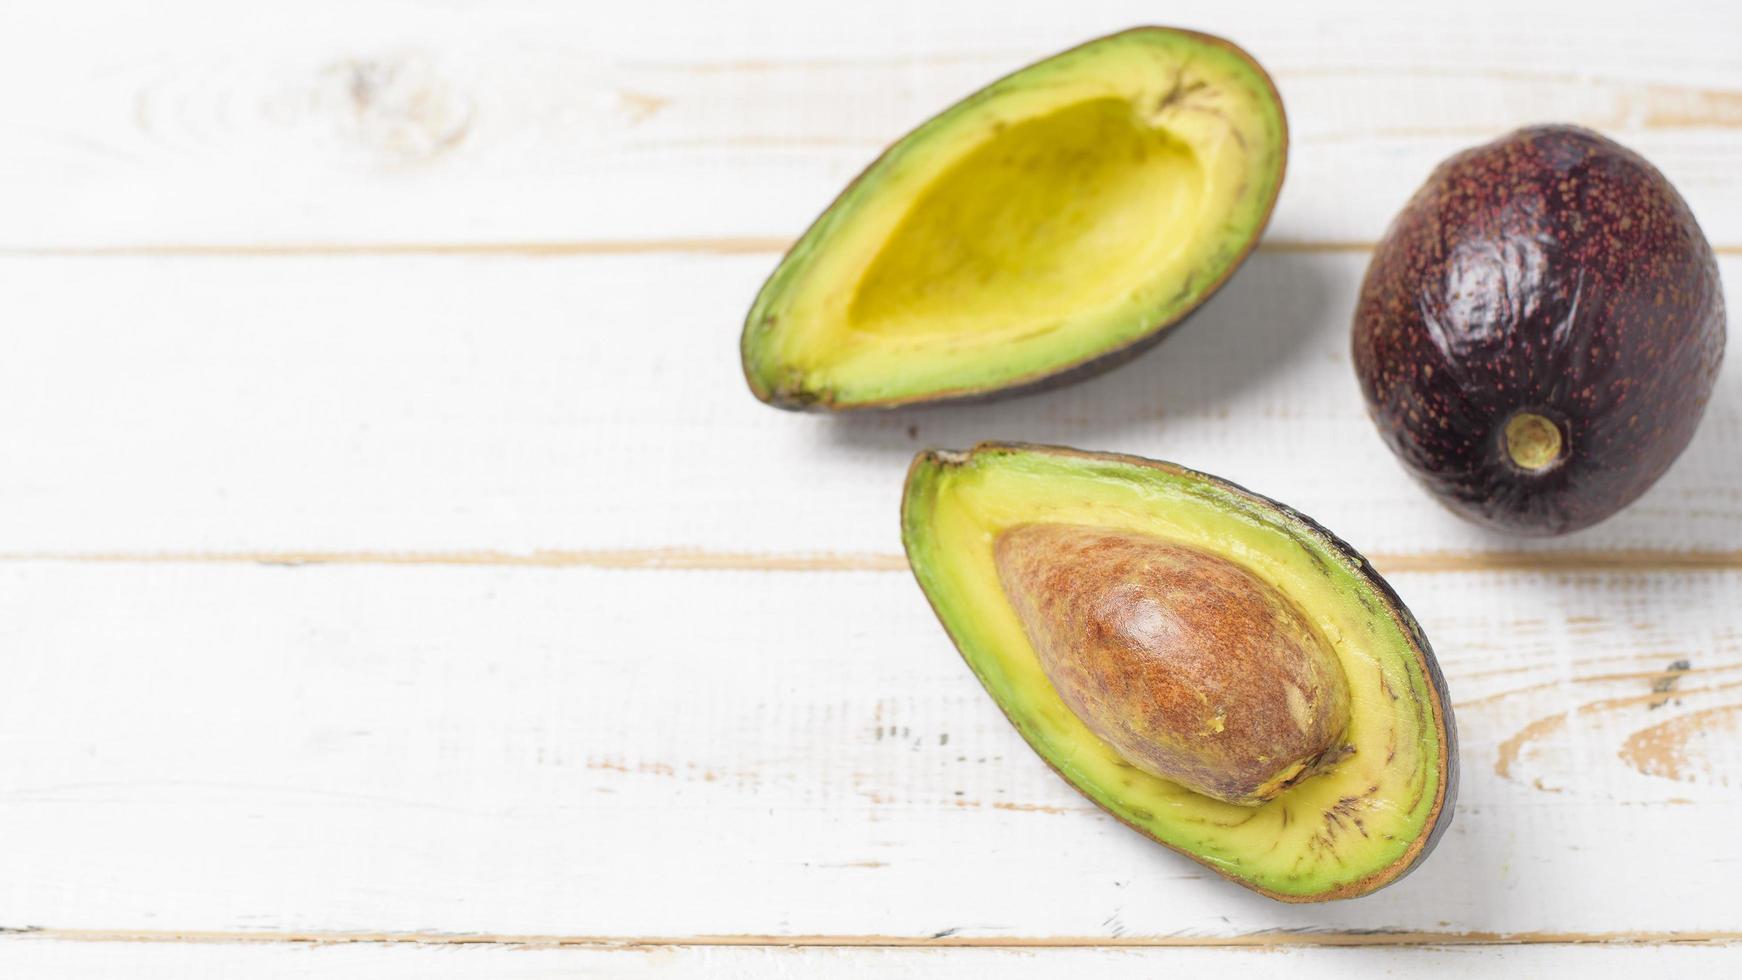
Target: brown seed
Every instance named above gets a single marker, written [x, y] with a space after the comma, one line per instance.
[1190, 666]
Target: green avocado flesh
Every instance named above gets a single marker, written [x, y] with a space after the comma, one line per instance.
[1046, 224]
[1359, 822]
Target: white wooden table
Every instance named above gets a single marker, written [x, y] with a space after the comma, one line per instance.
[397, 580]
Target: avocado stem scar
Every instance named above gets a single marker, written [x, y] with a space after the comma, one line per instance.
[1533, 443]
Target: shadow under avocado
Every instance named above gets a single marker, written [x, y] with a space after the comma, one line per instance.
[1274, 308]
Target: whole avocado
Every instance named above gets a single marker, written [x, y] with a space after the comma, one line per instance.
[1540, 330]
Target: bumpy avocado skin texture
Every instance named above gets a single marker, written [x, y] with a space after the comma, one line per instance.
[802, 347]
[1553, 272]
[1357, 826]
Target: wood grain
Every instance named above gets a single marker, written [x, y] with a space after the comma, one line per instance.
[396, 579]
[690, 559]
[1269, 941]
[592, 406]
[546, 249]
[393, 122]
[527, 751]
[150, 961]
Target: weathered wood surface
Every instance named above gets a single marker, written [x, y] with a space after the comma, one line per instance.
[594, 406]
[623, 754]
[394, 122]
[451, 961]
[389, 550]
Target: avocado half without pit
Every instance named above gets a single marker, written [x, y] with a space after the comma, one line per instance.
[1209, 666]
[1044, 228]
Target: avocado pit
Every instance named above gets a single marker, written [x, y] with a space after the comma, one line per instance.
[1191, 667]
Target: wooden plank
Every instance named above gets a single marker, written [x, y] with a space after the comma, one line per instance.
[373, 421]
[149, 961]
[589, 409]
[617, 754]
[397, 123]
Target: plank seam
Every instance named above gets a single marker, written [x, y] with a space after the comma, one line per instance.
[1260, 940]
[723, 245]
[692, 559]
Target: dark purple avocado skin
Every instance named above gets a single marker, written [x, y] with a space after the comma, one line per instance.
[1551, 271]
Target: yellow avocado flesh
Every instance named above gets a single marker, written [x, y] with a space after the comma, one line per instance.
[1352, 828]
[1108, 196]
[1069, 211]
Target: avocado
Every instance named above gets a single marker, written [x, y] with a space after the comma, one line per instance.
[1540, 330]
[1045, 228]
[1209, 666]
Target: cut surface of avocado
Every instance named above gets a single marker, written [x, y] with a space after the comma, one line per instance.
[1049, 224]
[1376, 789]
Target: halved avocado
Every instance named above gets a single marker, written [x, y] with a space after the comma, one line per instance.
[1045, 228]
[1135, 618]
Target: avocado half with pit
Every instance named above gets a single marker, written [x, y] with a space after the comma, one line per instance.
[1209, 666]
[1045, 228]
